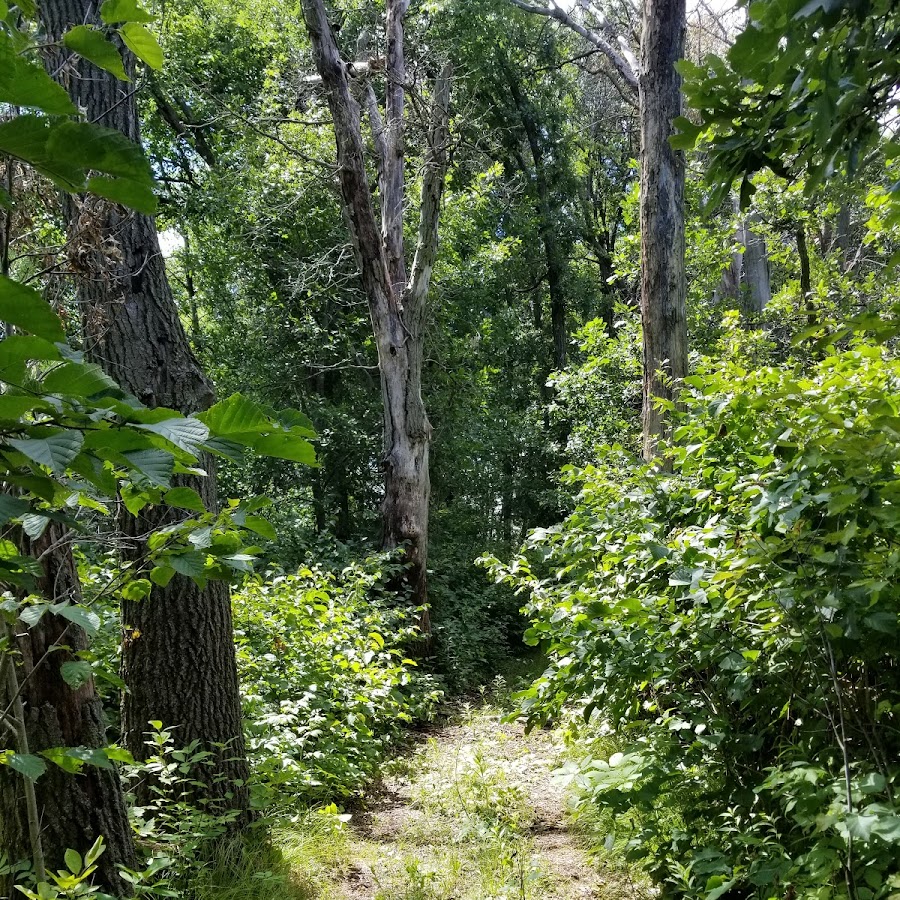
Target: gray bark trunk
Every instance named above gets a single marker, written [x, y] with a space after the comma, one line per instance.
[396, 303]
[180, 668]
[662, 215]
[757, 284]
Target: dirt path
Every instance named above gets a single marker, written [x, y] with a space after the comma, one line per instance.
[474, 814]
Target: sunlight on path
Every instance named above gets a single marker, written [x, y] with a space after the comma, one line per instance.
[474, 814]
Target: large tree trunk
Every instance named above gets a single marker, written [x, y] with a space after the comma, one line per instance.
[179, 662]
[662, 215]
[396, 302]
[74, 810]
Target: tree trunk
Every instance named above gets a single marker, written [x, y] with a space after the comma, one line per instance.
[396, 303]
[756, 269]
[805, 276]
[662, 215]
[179, 661]
[74, 810]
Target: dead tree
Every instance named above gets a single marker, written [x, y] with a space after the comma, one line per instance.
[396, 298]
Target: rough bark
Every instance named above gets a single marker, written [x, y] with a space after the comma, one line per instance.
[74, 810]
[178, 659]
[662, 215]
[396, 303]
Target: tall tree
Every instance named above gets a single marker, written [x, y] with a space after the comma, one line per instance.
[179, 663]
[397, 300]
[662, 214]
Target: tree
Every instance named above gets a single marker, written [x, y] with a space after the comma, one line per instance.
[396, 300]
[662, 215]
[180, 669]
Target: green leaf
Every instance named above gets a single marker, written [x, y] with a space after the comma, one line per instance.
[296, 421]
[26, 138]
[107, 150]
[687, 134]
[261, 526]
[10, 507]
[79, 380]
[76, 673]
[51, 447]
[25, 308]
[184, 498]
[29, 765]
[753, 50]
[94, 47]
[143, 44]
[114, 11]
[24, 82]
[14, 406]
[186, 433]
[137, 589]
[162, 575]
[128, 193]
[287, 445]
[872, 783]
[235, 415]
[155, 465]
[34, 525]
[20, 348]
[73, 861]
[78, 615]
[192, 563]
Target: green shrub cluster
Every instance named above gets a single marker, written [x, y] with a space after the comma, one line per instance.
[734, 622]
[327, 681]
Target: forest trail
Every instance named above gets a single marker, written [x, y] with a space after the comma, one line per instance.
[473, 813]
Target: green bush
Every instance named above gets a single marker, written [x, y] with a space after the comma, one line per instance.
[734, 623]
[326, 679]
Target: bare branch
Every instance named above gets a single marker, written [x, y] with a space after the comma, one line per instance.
[395, 101]
[432, 191]
[622, 64]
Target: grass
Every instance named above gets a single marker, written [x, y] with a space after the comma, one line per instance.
[471, 813]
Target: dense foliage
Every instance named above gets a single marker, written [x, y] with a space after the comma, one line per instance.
[720, 624]
[328, 684]
[734, 623]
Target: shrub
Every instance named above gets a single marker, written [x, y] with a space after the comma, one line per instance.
[326, 680]
[735, 624]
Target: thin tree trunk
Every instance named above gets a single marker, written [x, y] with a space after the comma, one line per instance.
[74, 810]
[556, 262]
[805, 276]
[179, 661]
[662, 216]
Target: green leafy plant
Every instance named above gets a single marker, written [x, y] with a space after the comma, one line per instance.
[327, 684]
[734, 623]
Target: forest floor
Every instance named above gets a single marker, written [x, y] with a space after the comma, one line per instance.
[472, 812]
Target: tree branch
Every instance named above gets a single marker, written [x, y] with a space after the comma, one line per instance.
[622, 64]
[357, 197]
[395, 100]
[432, 190]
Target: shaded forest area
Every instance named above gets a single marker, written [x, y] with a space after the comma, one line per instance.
[365, 361]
